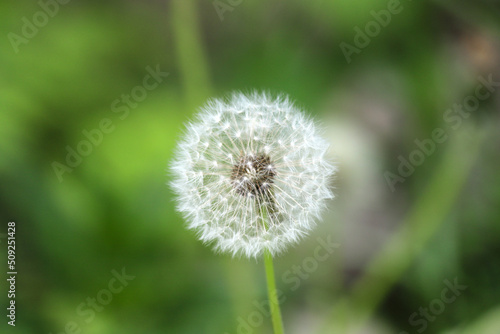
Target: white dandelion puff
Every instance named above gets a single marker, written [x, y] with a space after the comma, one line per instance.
[251, 175]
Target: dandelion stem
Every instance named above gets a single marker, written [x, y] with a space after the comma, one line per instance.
[271, 283]
[273, 296]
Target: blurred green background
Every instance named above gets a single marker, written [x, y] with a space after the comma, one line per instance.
[70, 68]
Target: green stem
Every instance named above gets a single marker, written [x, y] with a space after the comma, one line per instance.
[273, 296]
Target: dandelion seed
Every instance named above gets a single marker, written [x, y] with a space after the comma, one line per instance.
[250, 174]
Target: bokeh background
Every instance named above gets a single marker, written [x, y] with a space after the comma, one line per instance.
[399, 245]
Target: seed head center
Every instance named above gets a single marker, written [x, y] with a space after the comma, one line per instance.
[253, 175]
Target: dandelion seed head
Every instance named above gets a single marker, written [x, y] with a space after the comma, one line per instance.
[250, 174]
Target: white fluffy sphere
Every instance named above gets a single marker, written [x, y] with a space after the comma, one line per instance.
[250, 174]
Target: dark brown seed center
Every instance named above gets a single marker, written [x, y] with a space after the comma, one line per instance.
[253, 175]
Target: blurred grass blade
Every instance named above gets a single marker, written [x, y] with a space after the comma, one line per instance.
[427, 215]
[190, 54]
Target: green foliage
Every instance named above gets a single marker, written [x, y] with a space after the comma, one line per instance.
[114, 211]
